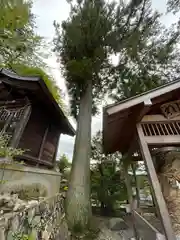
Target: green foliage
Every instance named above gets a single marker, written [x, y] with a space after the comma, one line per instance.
[21, 236]
[142, 181]
[107, 182]
[173, 5]
[5, 150]
[63, 163]
[148, 53]
[64, 167]
[25, 70]
[19, 14]
[18, 40]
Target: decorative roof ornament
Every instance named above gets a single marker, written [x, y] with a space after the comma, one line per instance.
[171, 109]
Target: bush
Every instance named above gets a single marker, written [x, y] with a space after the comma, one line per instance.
[5, 150]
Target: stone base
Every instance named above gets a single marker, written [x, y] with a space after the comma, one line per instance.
[15, 177]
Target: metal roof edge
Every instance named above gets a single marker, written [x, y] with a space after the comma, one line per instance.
[115, 105]
[141, 94]
[11, 74]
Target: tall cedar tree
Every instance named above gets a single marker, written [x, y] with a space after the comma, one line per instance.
[84, 43]
[18, 41]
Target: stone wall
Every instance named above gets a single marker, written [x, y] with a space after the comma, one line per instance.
[15, 177]
[43, 220]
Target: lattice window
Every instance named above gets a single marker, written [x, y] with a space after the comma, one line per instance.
[9, 119]
[16, 114]
[161, 129]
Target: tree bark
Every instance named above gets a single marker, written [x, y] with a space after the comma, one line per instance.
[128, 186]
[136, 185]
[130, 198]
[78, 206]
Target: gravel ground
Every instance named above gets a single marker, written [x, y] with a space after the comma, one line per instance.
[107, 234]
[155, 222]
[123, 234]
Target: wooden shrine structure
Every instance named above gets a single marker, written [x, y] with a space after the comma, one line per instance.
[141, 124]
[31, 117]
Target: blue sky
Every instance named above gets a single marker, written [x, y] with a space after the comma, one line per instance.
[49, 10]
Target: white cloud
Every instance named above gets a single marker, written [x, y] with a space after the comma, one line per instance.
[66, 146]
[48, 11]
[67, 143]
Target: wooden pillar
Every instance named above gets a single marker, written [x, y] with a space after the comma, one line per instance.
[128, 186]
[160, 202]
[20, 127]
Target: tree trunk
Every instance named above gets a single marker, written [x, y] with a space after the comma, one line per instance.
[103, 208]
[130, 198]
[78, 206]
[136, 185]
[169, 175]
[128, 186]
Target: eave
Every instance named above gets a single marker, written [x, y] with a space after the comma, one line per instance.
[119, 119]
[37, 85]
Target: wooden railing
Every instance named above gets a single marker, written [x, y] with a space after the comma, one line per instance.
[34, 161]
[145, 230]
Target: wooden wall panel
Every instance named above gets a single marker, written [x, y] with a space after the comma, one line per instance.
[34, 132]
[50, 144]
